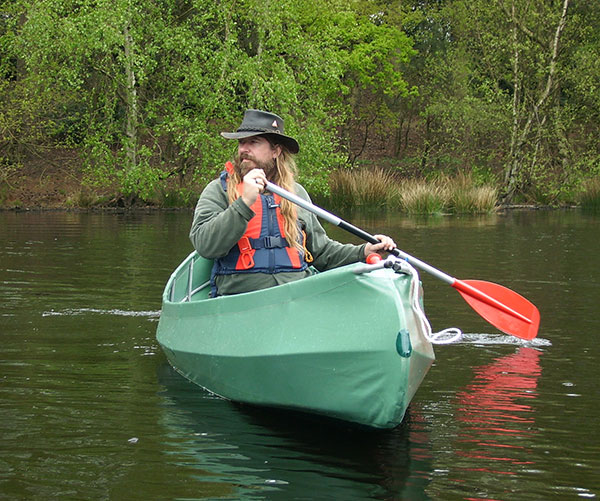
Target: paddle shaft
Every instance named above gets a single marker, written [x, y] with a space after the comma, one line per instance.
[457, 284]
[357, 231]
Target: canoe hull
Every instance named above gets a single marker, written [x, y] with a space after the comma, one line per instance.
[338, 344]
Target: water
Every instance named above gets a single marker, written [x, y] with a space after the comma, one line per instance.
[90, 409]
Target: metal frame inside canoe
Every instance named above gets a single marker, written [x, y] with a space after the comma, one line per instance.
[341, 344]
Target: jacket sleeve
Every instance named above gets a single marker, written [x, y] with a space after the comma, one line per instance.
[217, 226]
[327, 253]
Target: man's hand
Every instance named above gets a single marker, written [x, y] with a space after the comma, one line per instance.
[254, 183]
[386, 244]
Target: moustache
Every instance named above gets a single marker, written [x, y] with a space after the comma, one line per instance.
[247, 156]
[244, 168]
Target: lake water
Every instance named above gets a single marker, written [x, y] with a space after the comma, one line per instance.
[90, 409]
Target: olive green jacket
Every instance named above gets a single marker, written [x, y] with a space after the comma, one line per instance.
[218, 226]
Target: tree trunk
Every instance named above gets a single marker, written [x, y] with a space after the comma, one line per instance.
[131, 104]
[520, 133]
[352, 157]
[426, 146]
[514, 154]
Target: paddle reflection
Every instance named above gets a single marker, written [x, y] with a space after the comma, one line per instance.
[497, 414]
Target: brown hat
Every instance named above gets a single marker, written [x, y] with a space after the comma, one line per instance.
[258, 123]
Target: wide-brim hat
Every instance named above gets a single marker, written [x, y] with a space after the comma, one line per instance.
[259, 123]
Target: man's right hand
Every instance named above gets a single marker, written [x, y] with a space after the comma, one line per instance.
[254, 183]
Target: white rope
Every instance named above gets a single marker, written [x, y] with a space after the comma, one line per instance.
[445, 336]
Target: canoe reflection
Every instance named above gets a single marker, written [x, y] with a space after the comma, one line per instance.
[497, 415]
[283, 455]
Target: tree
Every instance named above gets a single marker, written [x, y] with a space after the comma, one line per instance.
[501, 91]
[530, 106]
[85, 64]
[374, 62]
[142, 90]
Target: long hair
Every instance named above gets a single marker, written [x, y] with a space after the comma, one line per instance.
[284, 175]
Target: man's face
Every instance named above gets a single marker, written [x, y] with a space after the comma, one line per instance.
[256, 153]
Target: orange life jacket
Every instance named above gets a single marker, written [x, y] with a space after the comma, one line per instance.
[263, 248]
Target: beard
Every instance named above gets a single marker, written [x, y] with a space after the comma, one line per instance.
[245, 162]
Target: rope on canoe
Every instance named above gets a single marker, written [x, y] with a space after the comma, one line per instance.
[445, 336]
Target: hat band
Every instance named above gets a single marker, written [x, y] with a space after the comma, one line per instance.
[258, 129]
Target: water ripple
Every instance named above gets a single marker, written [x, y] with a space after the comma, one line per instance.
[500, 339]
[114, 312]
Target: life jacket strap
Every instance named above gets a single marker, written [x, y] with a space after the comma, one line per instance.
[248, 246]
[268, 242]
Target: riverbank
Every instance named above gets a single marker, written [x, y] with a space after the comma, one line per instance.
[60, 187]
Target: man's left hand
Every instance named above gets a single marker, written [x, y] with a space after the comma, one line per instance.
[386, 244]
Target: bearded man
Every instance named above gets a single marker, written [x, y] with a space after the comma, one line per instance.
[257, 239]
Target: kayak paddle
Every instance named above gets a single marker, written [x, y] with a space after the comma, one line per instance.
[503, 308]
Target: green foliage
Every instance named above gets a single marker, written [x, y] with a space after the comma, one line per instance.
[141, 91]
[174, 198]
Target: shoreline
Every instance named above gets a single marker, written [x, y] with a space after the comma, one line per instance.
[53, 191]
[151, 208]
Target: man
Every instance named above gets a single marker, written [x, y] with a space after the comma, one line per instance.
[257, 239]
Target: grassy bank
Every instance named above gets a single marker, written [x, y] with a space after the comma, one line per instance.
[381, 189]
[589, 199]
[52, 188]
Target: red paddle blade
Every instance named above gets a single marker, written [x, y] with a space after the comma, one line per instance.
[501, 307]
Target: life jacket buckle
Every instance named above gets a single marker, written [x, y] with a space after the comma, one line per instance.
[272, 203]
[246, 253]
[270, 242]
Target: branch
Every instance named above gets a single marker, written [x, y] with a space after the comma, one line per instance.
[365, 138]
[520, 25]
[550, 79]
[559, 29]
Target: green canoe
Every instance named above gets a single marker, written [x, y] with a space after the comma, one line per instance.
[348, 343]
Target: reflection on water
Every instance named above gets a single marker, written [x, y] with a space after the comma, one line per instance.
[497, 413]
[89, 408]
[284, 455]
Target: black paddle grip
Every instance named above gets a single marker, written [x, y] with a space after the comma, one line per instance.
[363, 234]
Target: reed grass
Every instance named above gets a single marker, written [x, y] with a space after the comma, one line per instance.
[467, 197]
[378, 188]
[589, 199]
[365, 188]
[419, 197]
